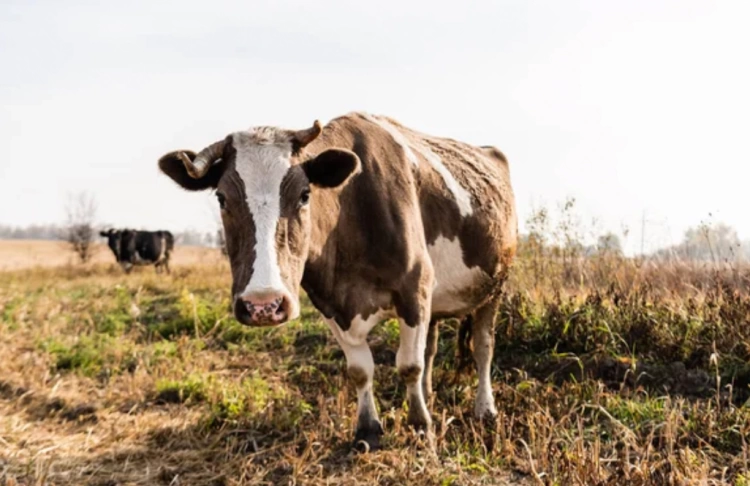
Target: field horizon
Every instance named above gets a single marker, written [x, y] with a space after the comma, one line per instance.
[29, 254]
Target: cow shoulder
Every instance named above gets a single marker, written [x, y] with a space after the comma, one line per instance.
[367, 235]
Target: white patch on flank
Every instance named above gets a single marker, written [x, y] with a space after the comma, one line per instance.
[262, 167]
[460, 195]
[452, 276]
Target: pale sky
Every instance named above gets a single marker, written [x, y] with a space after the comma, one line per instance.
[628, 106]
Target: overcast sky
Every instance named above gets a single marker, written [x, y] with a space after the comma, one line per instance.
[629, 106]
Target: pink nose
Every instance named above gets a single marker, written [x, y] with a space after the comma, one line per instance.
[265, 309]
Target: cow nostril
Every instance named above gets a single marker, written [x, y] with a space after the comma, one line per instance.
[264, 309]
[278, 307]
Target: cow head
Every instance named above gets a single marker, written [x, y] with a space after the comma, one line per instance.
[114, 239]
[264, 182]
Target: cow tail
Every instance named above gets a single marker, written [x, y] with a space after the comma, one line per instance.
[464, 344]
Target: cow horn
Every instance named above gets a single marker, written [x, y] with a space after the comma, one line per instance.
[304, 137]
[199, 166]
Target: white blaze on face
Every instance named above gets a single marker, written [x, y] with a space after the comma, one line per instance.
[262, 167]
[460, 195]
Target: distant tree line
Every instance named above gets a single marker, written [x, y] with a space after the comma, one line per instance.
[703, 243]
[59, 233]
[563, 236]
[32, 232]
[708, 242]
[560, 236]
[196, 238]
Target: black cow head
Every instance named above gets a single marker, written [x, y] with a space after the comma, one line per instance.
[114, 241]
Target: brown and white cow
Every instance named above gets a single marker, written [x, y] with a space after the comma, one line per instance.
[373, 220]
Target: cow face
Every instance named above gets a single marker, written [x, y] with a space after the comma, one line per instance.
[266, 189]
[114, 239]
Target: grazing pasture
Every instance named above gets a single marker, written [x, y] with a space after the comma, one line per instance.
[606, 371]
[28, 254]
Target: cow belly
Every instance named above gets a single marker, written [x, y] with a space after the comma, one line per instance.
[457, 287]
[139, 260]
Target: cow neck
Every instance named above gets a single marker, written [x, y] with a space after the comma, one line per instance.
[319, 278]
[326, 208]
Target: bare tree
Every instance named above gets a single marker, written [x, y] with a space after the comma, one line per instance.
[79, 231]
[609, 243]
[707, 242]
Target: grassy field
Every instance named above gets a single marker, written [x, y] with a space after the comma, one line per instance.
[618, 373]
[25, 254]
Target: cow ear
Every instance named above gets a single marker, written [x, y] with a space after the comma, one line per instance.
[172, 165]
[331, 168]
[105, 234]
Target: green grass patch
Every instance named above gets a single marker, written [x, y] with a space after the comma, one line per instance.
[189, 390]
[9, 311]
[99, 355]
[258, 401]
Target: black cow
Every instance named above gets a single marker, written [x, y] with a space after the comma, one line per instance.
[133, 247]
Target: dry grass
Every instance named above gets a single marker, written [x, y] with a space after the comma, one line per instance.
[28, 254]
[143, 379]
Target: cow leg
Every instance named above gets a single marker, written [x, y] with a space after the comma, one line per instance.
[410, 361]
[413, 307]
[483, 335]
[361, 368]
[429, 358]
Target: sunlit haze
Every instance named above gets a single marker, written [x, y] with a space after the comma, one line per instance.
[634, 108]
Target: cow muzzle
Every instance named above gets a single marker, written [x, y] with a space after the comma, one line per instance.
[265, 309]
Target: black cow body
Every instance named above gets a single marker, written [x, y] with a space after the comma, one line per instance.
[132, 248]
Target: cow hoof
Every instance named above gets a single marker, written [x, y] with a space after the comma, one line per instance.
[367, 438]
[485, 412]
[420, 421]
[488, 420]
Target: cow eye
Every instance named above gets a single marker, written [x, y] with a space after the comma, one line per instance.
[304, 198]
[222, 200]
